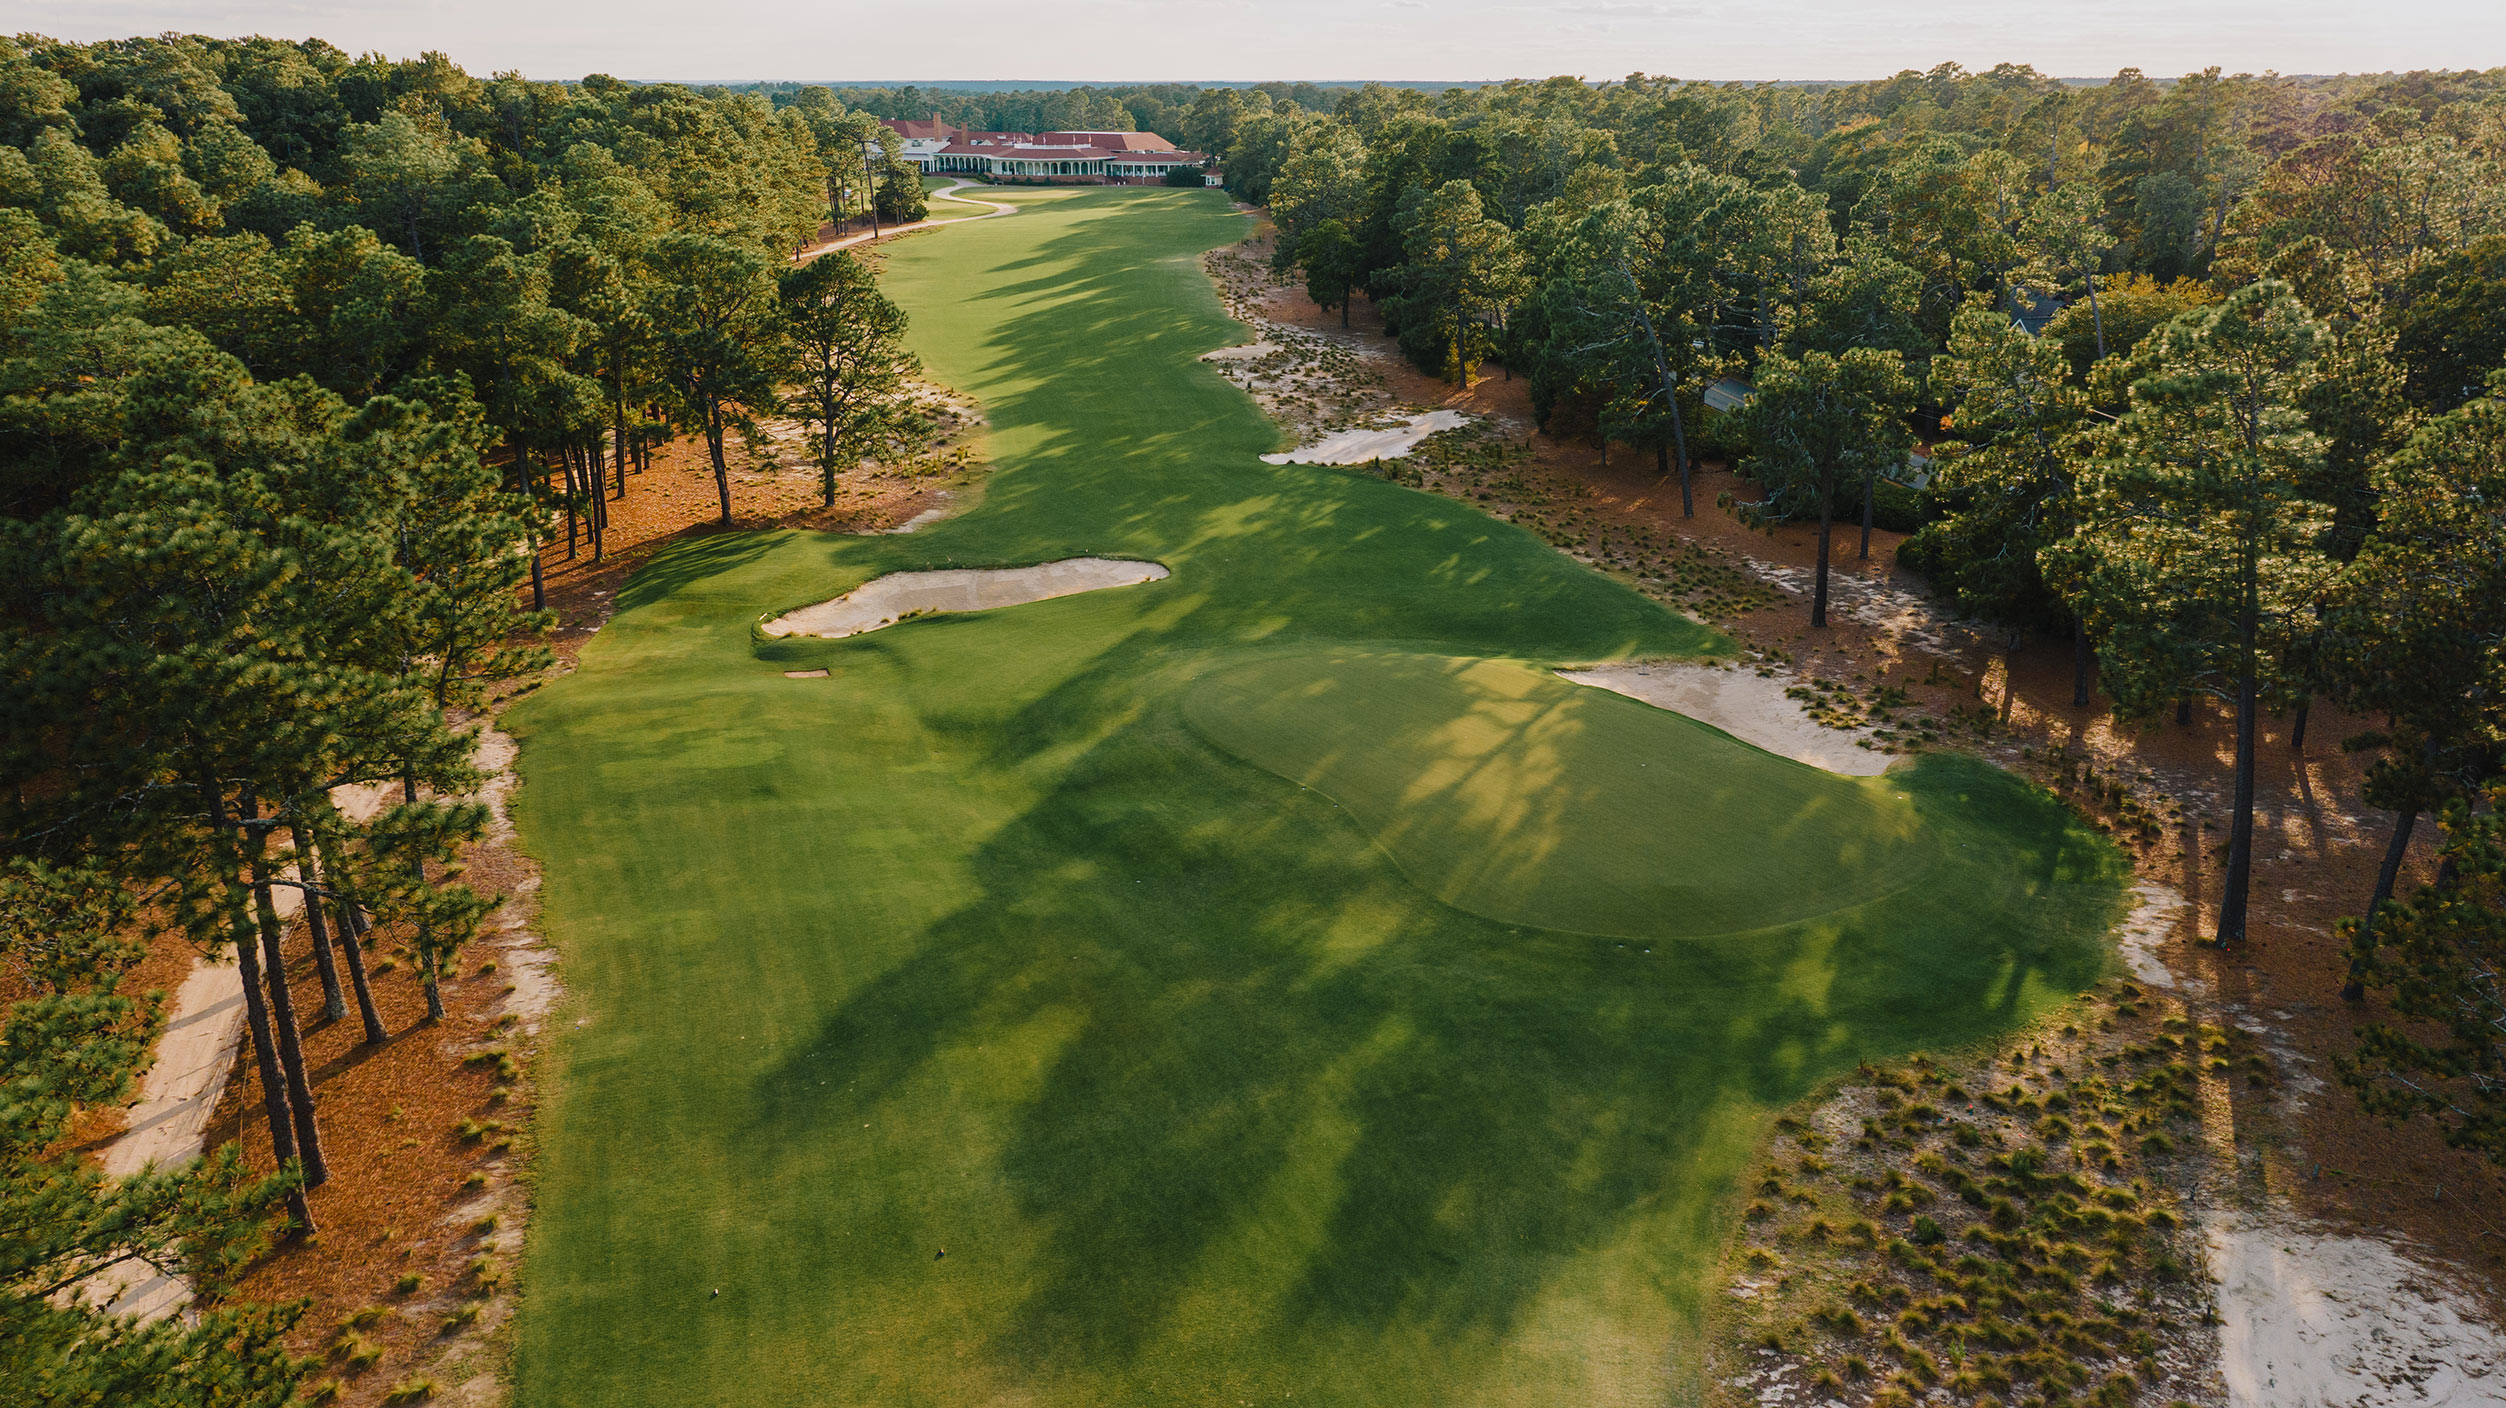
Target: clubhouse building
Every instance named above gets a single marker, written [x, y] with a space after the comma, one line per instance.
[1043, 158]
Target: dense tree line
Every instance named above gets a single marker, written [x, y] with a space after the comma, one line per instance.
[304, 360]
[2211, 370]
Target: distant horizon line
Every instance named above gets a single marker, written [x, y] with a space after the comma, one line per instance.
[1015, 85]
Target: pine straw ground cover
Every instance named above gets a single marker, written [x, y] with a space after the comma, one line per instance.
[2010, 1229]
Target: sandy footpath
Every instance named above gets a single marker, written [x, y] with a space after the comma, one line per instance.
[947, 193]
[1363, 446]
[892, 598]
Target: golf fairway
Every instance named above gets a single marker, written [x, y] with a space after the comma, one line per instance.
[1266, 985]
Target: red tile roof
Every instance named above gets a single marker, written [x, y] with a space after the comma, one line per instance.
[1118, 141]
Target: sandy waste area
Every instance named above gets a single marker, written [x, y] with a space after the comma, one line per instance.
[1363, 446]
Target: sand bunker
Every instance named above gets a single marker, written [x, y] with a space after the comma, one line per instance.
[899, 595]
[2310, 1318]
[1741, 702]
[1361, 446]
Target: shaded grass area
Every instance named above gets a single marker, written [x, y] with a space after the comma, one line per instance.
[979, 946]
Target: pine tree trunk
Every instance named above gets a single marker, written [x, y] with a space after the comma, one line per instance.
[334, 1003]
[1679, 446]
[617, 430]
[1818, 597]
[595, 506]
[722, 468]
[2184, 710]
[2297, 726]
[2241, 825]
[1870, 496]
[2096, 315]
[826, 449]
[291, 1052]
[257, 1014]
[352, 932]
[565, 476]
[539, 586]
[426, 937]
[1344, 311]
[2083, 664]
[2362, 943]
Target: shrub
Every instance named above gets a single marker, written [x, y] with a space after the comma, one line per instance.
[1928, 1233]
[416, 1390]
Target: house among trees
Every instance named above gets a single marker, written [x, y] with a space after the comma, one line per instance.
[1041, 158]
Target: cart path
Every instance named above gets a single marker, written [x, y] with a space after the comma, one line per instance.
[944, 193]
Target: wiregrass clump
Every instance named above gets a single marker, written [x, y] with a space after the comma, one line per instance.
[2012, 1229]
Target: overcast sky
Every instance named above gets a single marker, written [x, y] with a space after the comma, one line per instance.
[1181, 40]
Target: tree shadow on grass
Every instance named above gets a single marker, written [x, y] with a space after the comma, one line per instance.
[1358, 1110]
[681, 565]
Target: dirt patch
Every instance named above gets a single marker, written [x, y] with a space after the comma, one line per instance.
[902, 596]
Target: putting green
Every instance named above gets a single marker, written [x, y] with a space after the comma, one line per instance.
[1506, 791]
[980, 945]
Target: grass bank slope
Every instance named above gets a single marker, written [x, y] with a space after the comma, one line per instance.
[980, 945]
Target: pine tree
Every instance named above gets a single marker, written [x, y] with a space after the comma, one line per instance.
[2415, 631]
[75, 1041]
[2007, 481]
[2198, 562]
[1461, 274]
[847, 360]
[712, 312]
[2442, 965]
[1819, 422]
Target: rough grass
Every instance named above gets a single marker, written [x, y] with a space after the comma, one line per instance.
[2006, 1228]
[978, 946]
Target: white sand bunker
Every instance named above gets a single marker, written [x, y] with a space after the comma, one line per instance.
[1361, 446]
[2310, 1318]
[1744, 704]
[899, 595]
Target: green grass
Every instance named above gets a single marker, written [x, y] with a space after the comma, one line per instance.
[1505, 791]
[983, 944]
